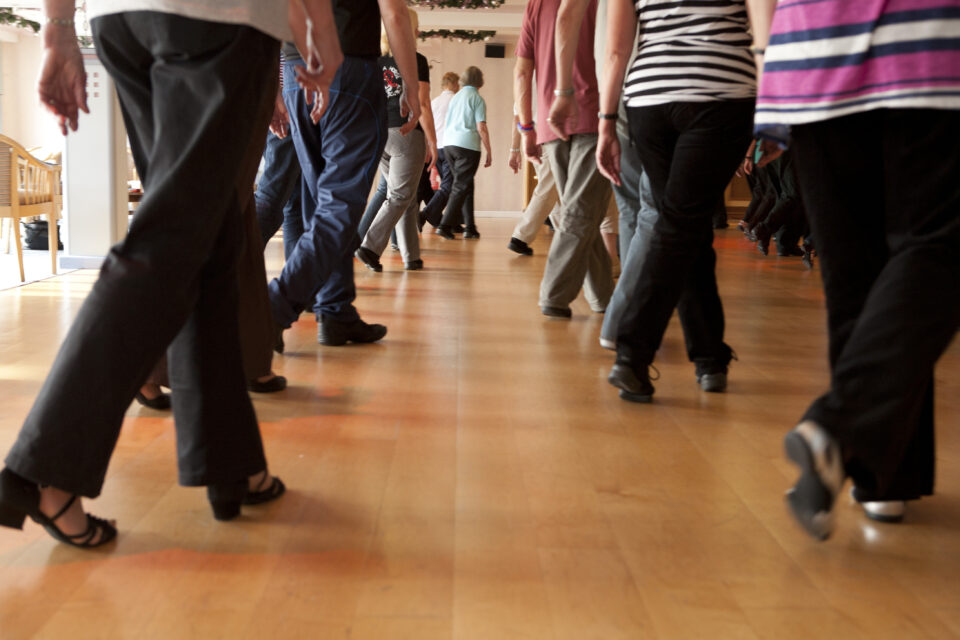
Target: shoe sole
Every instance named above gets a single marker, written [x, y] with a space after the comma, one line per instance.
[610, 345]
[339, 343]
[810, 501]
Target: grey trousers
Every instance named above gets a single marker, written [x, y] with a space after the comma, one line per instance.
[402, 162]
[638, 213]
[544, 203]
[577, 255]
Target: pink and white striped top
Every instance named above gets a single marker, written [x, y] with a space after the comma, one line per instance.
[831, 58]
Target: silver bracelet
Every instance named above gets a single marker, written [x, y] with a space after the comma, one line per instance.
[60, 22]
[515, 150]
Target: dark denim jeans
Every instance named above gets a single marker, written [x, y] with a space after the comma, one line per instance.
[690, 151]
[279, 193]
[339, 158]
[433, 212]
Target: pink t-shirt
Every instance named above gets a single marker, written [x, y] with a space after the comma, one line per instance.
[536, 43]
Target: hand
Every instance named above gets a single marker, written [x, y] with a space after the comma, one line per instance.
[434, 178]
[409, 109]
[320, 48]
[531, 149]
[769, 151]
[563, 111]
[63, 81]
[489, 160]
[431, 157]
[608, 156]
[280, 122]
[514, 161]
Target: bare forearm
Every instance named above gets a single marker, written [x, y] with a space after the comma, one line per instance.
[566, 37]
[522, 85]
[426, 115]
[484, 136]
[515, 137]
[761, 16]
[621, 27]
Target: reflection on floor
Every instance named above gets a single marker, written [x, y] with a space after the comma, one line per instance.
[474, 476]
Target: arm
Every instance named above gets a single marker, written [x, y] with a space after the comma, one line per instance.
[320, 49]
[761, 17]
[514, 161]
[63, 81]
[621, 28]
[566, 37]
[426, 121]
[396, 22]
[485, 139]
[522, 87]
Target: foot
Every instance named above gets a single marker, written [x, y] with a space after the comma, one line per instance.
[519, 246]
[789, 252]
[73, 523]
[634, 386]
[556, 312]
[334, 333]
[268, 384]
[263, 487]
[889, 511]
[445, 232]
[763, 236]
[807, 258]
[413, 265]
[713, 382]
[813, 497]
[457, 228]
[278, 345]
[152, 396]
[471, 234]
[370, 259]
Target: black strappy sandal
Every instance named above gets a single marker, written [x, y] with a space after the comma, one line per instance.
[265, 494]
[20, 498]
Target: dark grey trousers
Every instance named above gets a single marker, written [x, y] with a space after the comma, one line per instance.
[196, 99]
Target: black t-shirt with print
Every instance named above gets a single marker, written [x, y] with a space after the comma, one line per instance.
[393, 86]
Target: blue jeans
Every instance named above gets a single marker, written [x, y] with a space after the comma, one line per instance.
[338, 157]
[278, 193]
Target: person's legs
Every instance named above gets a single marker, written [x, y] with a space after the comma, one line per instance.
[404, 164]
[543, 201]
[338, 158]
[584, 194]
[433, 212]
[408, 235]
[379, 196]
[463, 165]
[887, 233]
[174, 275]
[293, 220]
[278, 183]
[690, 151]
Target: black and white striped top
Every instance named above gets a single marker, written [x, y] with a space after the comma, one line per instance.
[691, 51]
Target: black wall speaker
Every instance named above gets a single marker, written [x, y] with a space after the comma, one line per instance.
[494, 51]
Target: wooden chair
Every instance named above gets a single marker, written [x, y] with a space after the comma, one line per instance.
[28, 188]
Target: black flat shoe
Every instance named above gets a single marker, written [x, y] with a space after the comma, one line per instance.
[369, 259]
[556, 312]
[633, 386]
[274, 384]
[160, 403]
[445, 232]
[20, 498]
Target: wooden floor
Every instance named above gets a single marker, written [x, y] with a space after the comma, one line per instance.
[474, 476]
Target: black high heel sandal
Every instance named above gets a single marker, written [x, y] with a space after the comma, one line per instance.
[265, 494]
[20, 498]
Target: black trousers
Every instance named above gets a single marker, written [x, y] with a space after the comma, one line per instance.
[882, 194]
[463, 167]
[690, 151]
[196, 98]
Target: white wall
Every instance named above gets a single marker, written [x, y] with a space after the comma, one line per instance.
[24, 119]
[497, 188]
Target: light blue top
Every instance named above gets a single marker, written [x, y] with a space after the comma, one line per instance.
[466, 109]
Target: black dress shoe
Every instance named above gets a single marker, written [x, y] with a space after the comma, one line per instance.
[557, 312]
[370, 259]
[445, 232]
[413, 265]
[787, 252]
[274, 384]
[278, 345]
[633, 386]
[763, 236]
[333, 333]
[519, 246]
[160, 403]
[471, 234]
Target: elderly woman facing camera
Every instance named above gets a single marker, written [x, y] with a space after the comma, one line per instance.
[464, 131]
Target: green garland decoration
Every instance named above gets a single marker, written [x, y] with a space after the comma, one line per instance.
[7, 16]
[463, 35]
